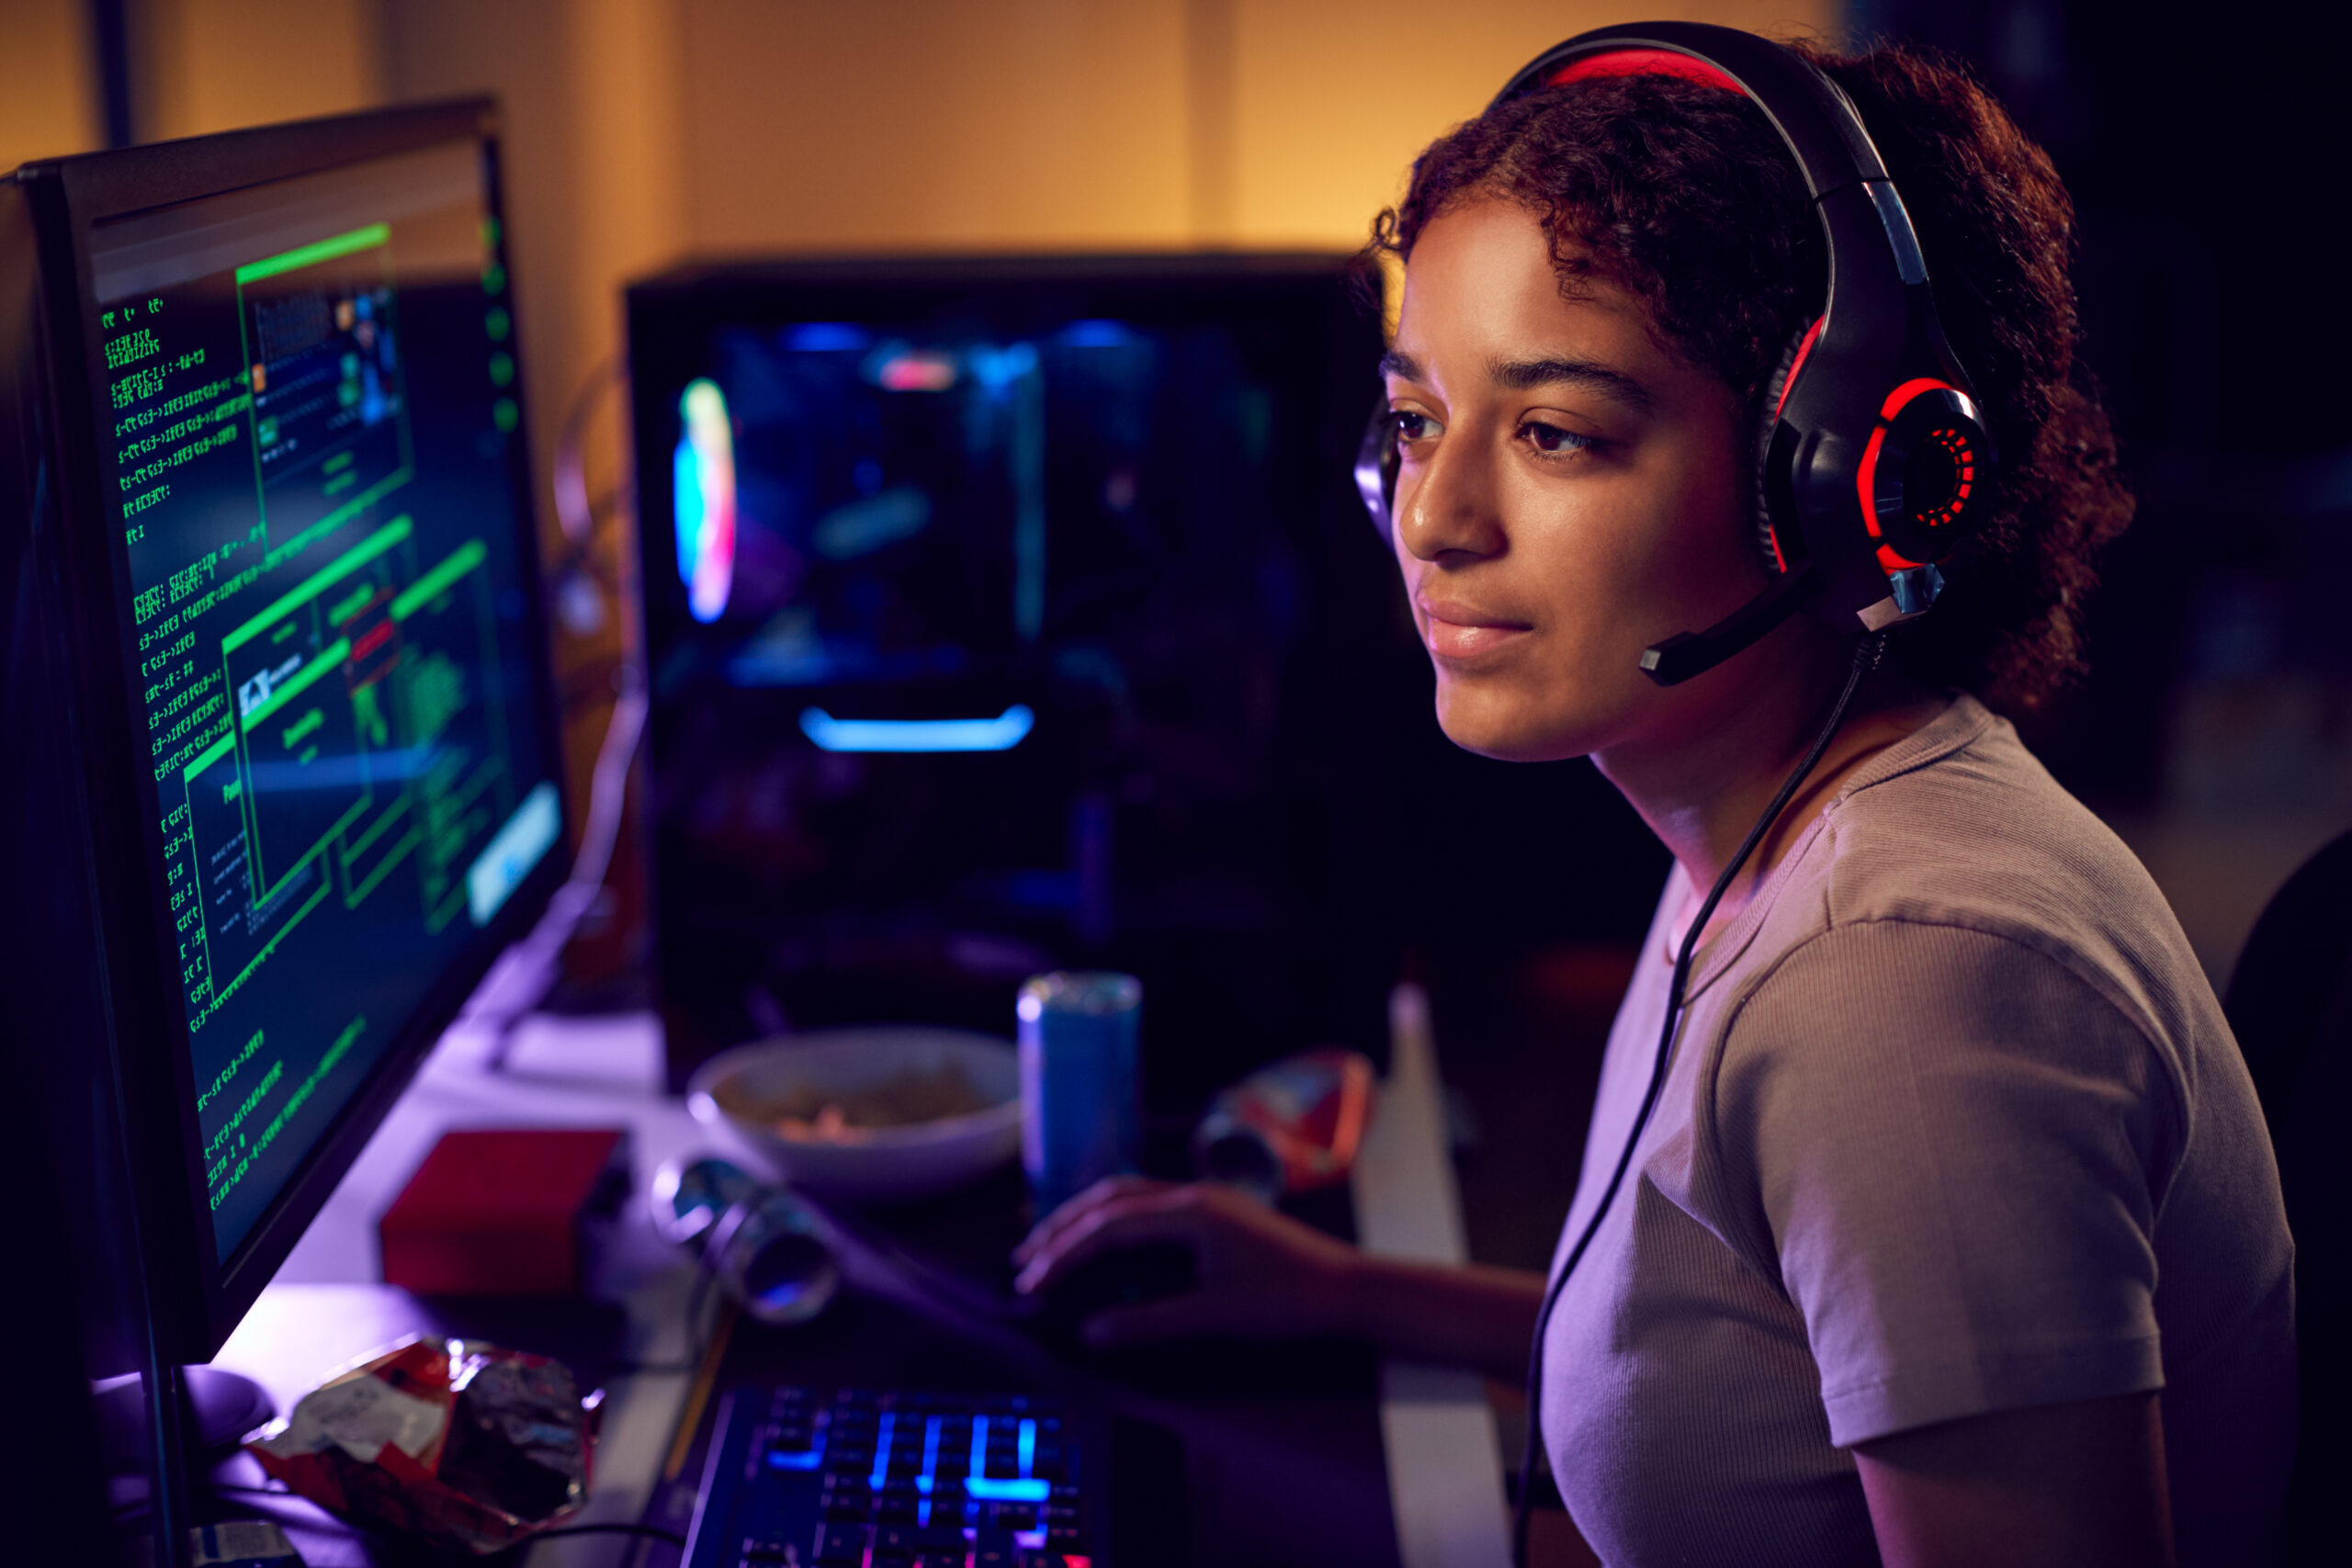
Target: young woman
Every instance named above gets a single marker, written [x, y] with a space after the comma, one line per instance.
[1955, 1235]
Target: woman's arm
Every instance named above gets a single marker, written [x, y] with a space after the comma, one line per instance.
[1473, 1315]
[1262, 1275]
[2080, 1485]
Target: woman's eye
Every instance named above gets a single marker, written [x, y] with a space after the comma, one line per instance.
[1552, 440]
[1412, 426]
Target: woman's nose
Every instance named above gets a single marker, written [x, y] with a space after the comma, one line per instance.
[1447, 506]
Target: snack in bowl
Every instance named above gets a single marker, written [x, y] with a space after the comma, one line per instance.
[879, 1114]
[810, 1112]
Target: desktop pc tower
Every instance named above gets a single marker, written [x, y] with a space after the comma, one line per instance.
[1004, 615]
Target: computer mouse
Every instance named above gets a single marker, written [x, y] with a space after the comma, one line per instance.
[1119, 1277]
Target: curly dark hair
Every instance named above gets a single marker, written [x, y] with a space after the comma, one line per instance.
[1683, 195]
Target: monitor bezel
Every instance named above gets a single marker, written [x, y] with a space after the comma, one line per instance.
[199, 1297]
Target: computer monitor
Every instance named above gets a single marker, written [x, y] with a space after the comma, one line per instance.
[278, 672]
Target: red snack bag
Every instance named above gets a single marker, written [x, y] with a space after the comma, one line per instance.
[1290, 1127]
[452, 1440]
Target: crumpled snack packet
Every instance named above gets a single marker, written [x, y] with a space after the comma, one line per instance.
[1289, 1127]
[452, 1440]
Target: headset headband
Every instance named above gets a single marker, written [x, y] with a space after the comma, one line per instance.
[1810, 112]
[1874, 400]
[1819, 123]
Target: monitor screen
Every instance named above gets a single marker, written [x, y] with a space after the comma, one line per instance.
[309, 435]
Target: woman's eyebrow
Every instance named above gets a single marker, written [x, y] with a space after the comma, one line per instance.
[1525, 375]
[1402, 366]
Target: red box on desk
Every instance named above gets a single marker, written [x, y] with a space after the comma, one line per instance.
[504, 1211]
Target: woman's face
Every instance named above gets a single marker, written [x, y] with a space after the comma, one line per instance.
[1571, 493]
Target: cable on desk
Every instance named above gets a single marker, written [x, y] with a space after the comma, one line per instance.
[699, 1394]
[528, 968]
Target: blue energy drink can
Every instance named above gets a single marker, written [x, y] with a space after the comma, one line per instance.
[1080, 1081]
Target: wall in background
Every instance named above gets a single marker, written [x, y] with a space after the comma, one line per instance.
[1065, 122]
[49, 93]
[204, 65]
[927, 123]
[1332, 100]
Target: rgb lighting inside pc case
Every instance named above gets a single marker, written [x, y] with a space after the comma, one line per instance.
[705, 492]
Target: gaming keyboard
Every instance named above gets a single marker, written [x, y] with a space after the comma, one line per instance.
[867, 1478]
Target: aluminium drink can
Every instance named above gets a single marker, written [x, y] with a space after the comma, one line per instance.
[1080, 1117]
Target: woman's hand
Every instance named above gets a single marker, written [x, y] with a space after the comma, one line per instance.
[1261, 1274]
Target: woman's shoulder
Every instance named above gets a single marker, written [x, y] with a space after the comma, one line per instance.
[1959, 828]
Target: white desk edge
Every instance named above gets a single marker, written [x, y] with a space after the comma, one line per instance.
[1445, 1465]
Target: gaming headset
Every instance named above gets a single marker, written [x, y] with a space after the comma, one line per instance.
[1874, 461]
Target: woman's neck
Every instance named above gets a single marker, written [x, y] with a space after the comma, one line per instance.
[1702, 792]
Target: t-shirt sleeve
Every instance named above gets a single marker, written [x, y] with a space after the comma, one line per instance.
[1955, 1145]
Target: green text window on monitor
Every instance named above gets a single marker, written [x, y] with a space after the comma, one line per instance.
[310, 415]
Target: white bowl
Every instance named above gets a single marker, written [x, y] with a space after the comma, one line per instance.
[883, 1164]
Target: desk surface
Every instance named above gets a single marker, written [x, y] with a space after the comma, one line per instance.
[1295, 1447]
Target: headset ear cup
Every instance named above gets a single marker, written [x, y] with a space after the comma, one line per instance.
[1375, 470]
[1776, 391]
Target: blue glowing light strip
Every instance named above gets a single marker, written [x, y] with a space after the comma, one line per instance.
[998, 734]
[1028, 1445]
[930, 1469]
[882, 1451]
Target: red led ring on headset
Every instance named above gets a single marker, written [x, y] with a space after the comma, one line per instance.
[1918, 474]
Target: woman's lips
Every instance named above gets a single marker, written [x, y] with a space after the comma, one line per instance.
[1457, 632]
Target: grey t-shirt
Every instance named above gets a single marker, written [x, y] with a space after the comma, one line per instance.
[1954, 1125]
